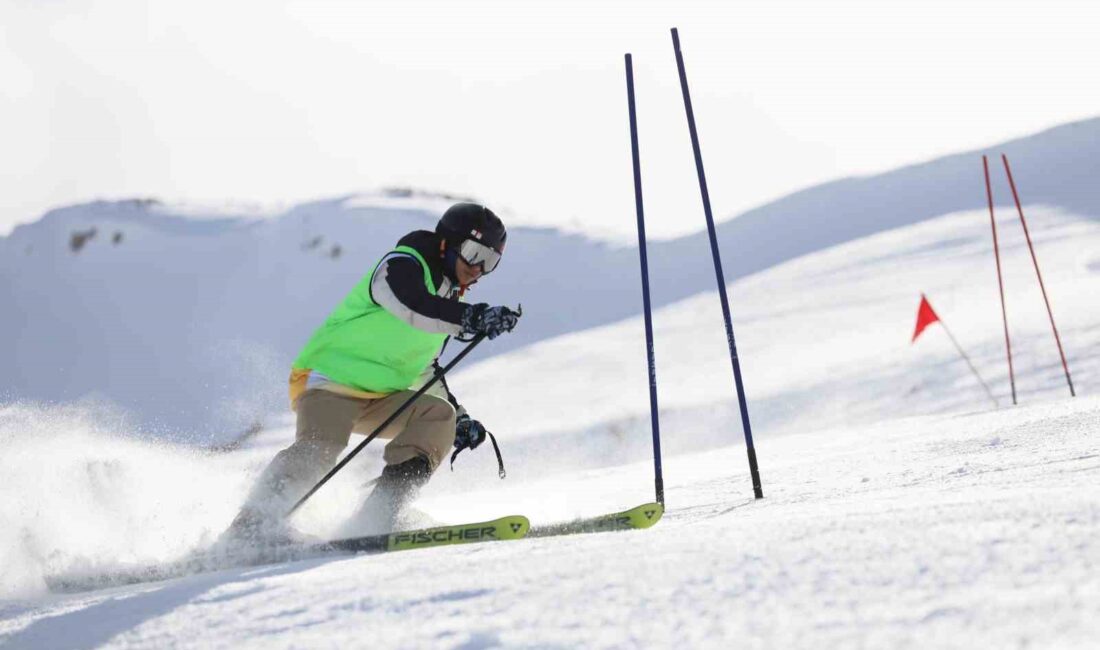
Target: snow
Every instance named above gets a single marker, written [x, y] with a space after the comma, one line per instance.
[407, 199]
[937, 531]
[901, 509]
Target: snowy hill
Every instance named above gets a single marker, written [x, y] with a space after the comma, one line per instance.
[902, 510]
[824, 339]
[187, 319]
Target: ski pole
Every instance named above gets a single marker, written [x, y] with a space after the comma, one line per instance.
[739, 384]
[654, 411]
[393, 416]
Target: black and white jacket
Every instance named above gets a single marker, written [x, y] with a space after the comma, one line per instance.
[398, 287]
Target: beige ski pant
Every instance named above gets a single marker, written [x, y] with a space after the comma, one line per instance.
[326, 421]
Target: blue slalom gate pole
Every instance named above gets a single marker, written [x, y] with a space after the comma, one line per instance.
[756, 488]
[658, 477]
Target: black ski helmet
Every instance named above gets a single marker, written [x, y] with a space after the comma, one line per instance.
[464, 221]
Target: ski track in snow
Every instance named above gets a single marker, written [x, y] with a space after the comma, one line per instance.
[901, 509]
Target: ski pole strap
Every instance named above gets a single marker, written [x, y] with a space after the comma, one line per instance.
[500, 459]
[496, 448]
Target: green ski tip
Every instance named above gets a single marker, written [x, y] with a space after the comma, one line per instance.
[643, 516]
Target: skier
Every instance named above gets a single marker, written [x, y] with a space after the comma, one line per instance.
[380, 344]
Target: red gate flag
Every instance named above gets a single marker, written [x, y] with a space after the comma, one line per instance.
[925, 316]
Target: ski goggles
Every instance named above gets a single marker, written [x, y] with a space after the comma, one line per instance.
[475, 253]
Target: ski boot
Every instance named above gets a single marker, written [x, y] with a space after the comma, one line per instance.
[393, 492]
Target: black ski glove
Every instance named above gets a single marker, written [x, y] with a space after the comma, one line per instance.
[490, 321]
[469, 433]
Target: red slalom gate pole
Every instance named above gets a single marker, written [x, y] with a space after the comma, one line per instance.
[1000, 279]
[1042, 287]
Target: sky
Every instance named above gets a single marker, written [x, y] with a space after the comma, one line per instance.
[520, 104]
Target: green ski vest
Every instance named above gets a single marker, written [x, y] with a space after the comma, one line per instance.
[363, 346]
